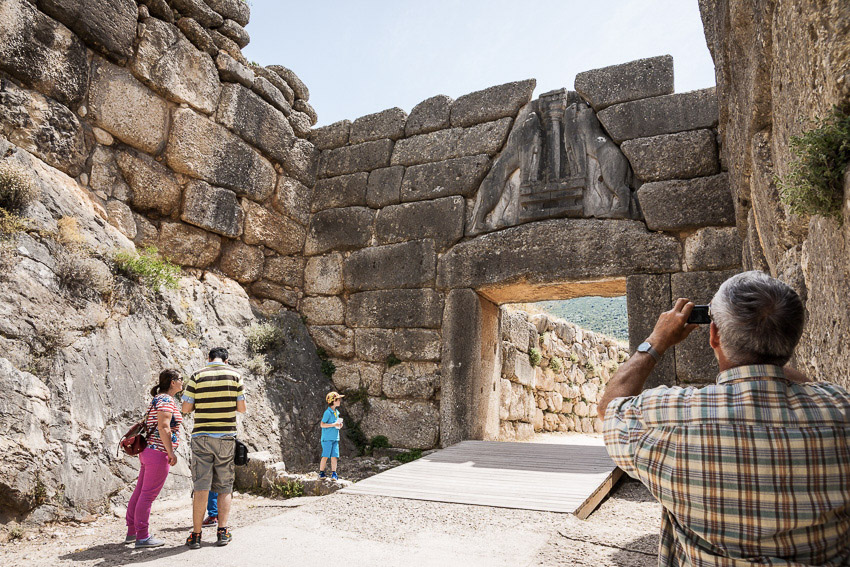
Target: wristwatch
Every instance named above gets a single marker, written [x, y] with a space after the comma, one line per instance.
[646, 347]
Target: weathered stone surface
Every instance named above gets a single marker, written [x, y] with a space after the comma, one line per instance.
[275, 80]
[323, 310]
[331, 136]
[557, 251]
[231, 70]
[416, 344]
[302, 105]
[126, 108]
[695, 361]
[187, 245]
[235, 10]
[422, 308]
[673, 156]
[492, 103]
[42, 53]
[292, 80]
[351, 159]
[713, 249]
[292, 199]
[337, 340]
[339, 229]
[516, 367]
[429, 115]
[147, 233]
[198, 10]
[42, 126]
[380, 125]
[683, 204]
[169, 63]
[199, 37]
[356, 374]
[279, 233]
[323, 275]
[201, 148]
[417, 380]
[413, 425]
[159, 9]
[515, 330]
[285, 270]
[342, 191]
[302, 161]
[213, 208]
[405, 265]
[440, 220]
[666, 114]
[273, 96]
[102, 137]
[373, 344]
[242, 262]
[108, 25]
[106, 177]
[634, 80]
[487, 138]
[154, 186]
[235, 32]
[121, 217]
[647, 296]
[384, 186]
[269, 290]
[255, 121]
[460, 176]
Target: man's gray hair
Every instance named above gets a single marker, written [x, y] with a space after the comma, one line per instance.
[760, 319]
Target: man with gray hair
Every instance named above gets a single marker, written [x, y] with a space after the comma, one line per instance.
[754, 469]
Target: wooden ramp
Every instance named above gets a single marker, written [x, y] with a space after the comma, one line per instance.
[565, 477]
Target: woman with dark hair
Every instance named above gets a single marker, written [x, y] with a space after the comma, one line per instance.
[164, 419]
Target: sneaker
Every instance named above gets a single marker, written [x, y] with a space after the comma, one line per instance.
[149, 542]
[223, 536]
[131, 538]
[322, 474]
[210, 521]
[333, 476]
[194, 541]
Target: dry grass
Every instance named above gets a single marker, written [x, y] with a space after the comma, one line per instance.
[17, 189]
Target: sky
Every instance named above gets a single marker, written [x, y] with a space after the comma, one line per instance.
[363, 56]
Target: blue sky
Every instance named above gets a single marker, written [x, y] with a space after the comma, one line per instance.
[363, 56]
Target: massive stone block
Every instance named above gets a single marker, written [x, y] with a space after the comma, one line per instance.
[384, 186]
[683, 204]
[373, 344]
[440, 220]
[288, 75]
[303, 106]
[460, 176]
[170, 64]
[331, 136]
[673, 156]
[405, 265]
[487, 138]
[385, 124]
[421, 308]
[661, 115]
[337, 340]
[255, 121]
[429, 115]
[416, 344]
[342, 191]
[279, 233]
[557, 251]
[212, 208]
[198, 10]
[108, 25]
[201, 39]
[42, 53]
[126, 108]
[105, 175]
[235, 10]
[235, 32]
[201, 148]
[187, 245]
[416, 380]
[292, 199]
[242, 262]
[302, 160]
[268, 290]
[339, 229]
[647, 296]
[154, 186]
[323, 274]
[713, 248]
[409, 424]
[285, 270]
[635, 80]
[351, 159]
[323, 310]
[273, 96]
[231, 70]
[276, 82]
[492, 103]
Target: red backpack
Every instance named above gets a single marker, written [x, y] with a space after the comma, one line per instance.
[136, 439]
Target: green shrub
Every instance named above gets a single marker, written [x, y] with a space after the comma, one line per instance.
[263, 337]
[288, 489]
[379, 442]
[17, 189]
[355, 433]
[258, 365]
[556, 364]
[815, 184]
[409, 456]
[392, 360]
[328, 368]
[534, 356]
[147, 268]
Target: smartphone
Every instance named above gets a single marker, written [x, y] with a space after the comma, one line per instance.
[699, 315]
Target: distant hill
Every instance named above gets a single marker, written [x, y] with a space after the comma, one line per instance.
[606, 315]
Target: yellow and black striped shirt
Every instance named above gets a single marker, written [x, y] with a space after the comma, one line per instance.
[214, 390]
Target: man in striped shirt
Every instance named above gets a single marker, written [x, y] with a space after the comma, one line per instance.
[752, 470]
[215, 393]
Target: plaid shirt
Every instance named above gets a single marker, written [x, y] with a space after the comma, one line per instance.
[752, 470]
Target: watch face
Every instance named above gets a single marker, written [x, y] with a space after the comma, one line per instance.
[644, 347]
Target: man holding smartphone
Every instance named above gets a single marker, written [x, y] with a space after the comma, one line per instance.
[754, 469]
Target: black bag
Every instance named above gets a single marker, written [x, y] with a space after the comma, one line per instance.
[240, 454]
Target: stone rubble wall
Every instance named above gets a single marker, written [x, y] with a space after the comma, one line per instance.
[561, 391]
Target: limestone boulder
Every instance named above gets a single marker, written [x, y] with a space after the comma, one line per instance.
[683, 204]
[351, 159]
[413, 380]
[323, 310]
[514, 329]
[411, 308]
[673, 156]
[285, 270]
[235, 32]
[303, 106]
[408, 424]
[232, 71]
[302, 162]
[235, 10]
[263, 226]
[169, 63]
[429, 115]
[384, 186]
[106, 177]
[200, 38]
[643, 78]
[107, 25]
[121, 217]
[213, 208]
[241, 262]
[323, 275]
[331, 136]
[198, 10]
[516, 367]
[271, 94]
[255, 121]
[342, 191]
[380, 125]
[713, 248]
[440, 220]
[416, 344]
[404, 265]
[292, 198]
[460, 176]
[154, 187]
[337, 340]
[187, 245]
[487, 138]
[339, 229]
[270, 290]
[373, 344]
[492, 103]
[288, 75]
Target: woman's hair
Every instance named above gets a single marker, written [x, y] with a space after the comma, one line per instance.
[165, 378]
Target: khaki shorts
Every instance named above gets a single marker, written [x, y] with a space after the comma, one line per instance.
[212, 463]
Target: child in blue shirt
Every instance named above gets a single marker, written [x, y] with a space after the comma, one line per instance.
[331, 424]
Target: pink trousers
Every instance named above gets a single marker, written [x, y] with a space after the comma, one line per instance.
[152, 474]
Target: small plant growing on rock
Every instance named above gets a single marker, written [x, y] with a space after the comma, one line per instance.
[288, 489]
[556, 364]
[815, 184]
[69, 233]
[148, 268]
[409, 456]
[534, 356]
[328, 366]
[263, 337]
[258, 365]
[11, 224]
[17, 189]
[84, 277]
[573, 357]
[379, 442]
[392, 360]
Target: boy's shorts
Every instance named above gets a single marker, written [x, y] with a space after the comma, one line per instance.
[330, 449]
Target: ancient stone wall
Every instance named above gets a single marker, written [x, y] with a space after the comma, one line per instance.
[780, 66]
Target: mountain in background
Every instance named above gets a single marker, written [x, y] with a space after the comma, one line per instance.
[606, 315]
